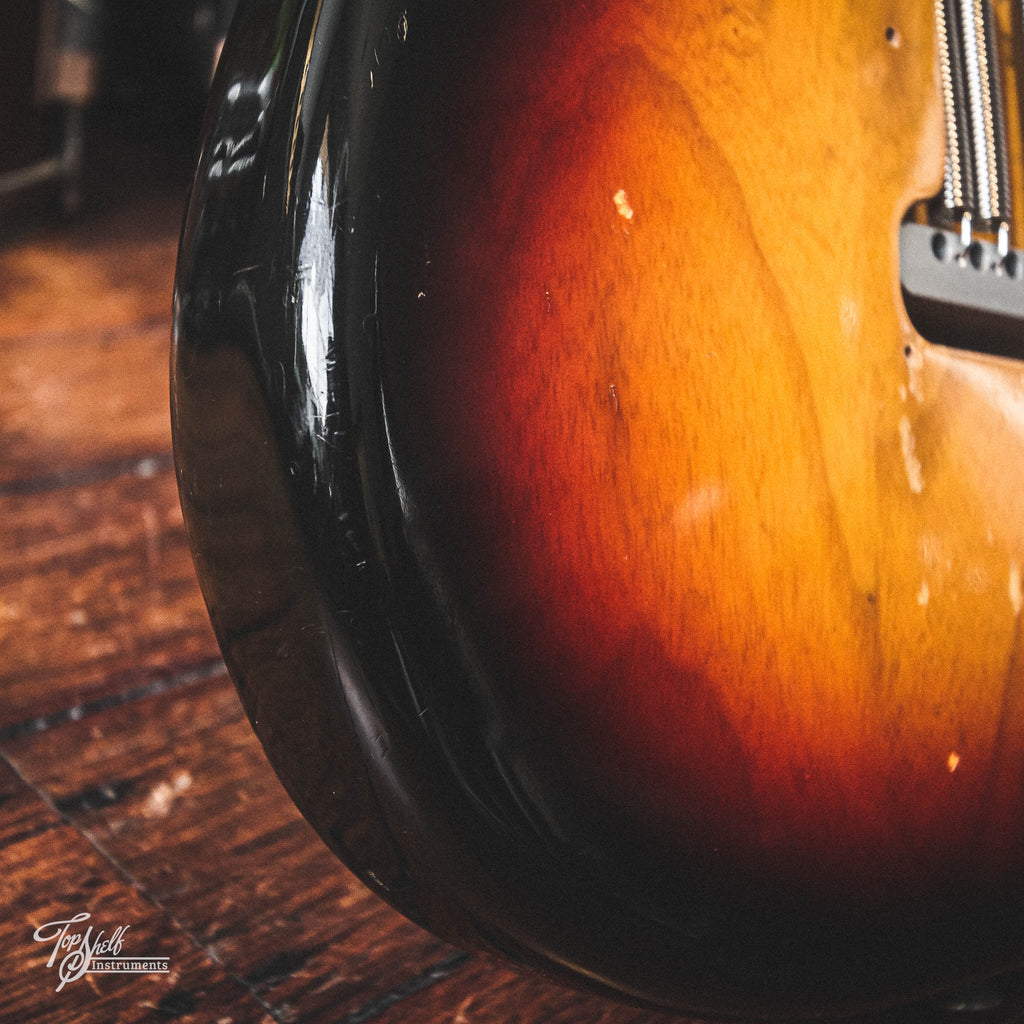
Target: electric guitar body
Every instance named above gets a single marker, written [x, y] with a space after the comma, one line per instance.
[616, 576]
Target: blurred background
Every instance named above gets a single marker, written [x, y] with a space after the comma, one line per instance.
[94, 93]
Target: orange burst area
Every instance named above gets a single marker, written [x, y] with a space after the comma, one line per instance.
[669, 436]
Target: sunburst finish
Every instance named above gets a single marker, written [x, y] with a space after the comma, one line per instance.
[593, 311]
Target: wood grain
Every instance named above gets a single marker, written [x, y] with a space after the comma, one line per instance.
[113, 268]
[748, 545]
[84, 326]
[487, 991]
[99, 593]
[268, 903]
[72, 400]
[52, 872]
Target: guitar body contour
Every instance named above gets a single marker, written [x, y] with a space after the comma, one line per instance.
[649, 590]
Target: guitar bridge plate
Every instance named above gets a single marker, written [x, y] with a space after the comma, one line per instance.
[969, 297]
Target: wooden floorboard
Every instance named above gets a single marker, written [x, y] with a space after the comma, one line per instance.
[151, 782]
[51, 873]
[486, 991]
[132, 787]
[75, 403]
[98, 596]
[111, 269]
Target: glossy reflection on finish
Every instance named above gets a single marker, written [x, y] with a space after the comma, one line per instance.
[614, 577]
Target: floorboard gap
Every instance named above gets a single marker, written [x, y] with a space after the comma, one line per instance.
[417, 983]
[177, 681]
[139, 465]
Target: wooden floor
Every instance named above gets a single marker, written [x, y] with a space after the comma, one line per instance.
[131, 786]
